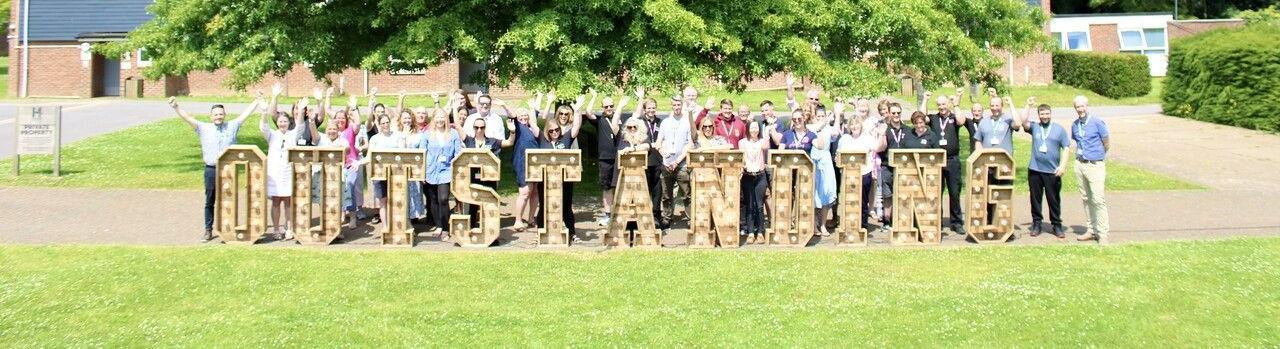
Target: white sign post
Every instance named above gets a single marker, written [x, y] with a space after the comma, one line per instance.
[39, 131]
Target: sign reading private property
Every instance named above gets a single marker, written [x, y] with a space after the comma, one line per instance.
[39, 131]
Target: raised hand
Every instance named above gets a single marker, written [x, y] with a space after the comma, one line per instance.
[328, 92]
[959, 91]
[791, 79]
[1031, 101]
[173, 102]
[927, 95]
[991, 91]
[317, 93]
[373, 92]
[639, 93]
[498, 102]
[277, 89]
[351, 101]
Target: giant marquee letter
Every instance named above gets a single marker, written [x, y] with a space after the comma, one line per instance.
[990, 206]
[229, 226]
[475, 194]
[793, 216]
[329, 160]
[717, 183]
[917, 192]
[553, 168]
[397, 167]
[632, 204]
[851, 231]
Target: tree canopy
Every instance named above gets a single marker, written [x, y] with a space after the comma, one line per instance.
[852, 46]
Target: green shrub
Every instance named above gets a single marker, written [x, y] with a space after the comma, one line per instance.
[1114, 75]
[1228, 76]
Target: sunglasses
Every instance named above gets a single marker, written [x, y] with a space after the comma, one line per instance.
[608, 106]
[813, 99]
[553, 130]
[479, 127]
[562, 114]
[707, 127]
[631, 128]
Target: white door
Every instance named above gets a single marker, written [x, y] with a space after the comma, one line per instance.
[1159, 63]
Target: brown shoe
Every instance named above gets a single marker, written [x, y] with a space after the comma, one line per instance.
[1087, 237]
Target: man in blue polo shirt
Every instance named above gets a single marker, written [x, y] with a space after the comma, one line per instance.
[1048, 162]
[1092, 143]
[215, 137]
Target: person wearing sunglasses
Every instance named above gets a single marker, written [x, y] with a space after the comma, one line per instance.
[562, 136]
[812, 95]
[725, 124]
[607, 130]
[484, 110]
[481, 140]
[894, 138]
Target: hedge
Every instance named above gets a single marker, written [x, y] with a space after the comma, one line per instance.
[1114, 75]
[1228, 76]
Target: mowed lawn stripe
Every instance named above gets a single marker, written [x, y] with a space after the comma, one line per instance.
[1138, 295]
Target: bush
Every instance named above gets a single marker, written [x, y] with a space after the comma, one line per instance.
[1228, 76]
[1114, 75]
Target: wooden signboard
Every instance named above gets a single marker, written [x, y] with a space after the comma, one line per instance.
[553, 167]
[716, 190]
[464, 190]
[990, 205]
[632, 204]
[309, 163]
[850, 230]
[229, 209]
[397, 167]
[917, 195]
[793, 221]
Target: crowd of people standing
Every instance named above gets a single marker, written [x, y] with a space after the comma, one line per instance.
[441, 131]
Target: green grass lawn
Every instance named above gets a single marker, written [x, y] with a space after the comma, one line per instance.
[1152, 295]
[166, 155]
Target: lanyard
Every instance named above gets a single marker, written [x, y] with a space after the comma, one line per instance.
[724, 131]
[1044, 136]
[946, 121]
[897, 136]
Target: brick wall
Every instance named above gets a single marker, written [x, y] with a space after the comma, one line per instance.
[1178, 29]
[1104, 38]
[56, 71]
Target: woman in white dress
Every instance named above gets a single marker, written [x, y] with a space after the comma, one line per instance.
[279, 176]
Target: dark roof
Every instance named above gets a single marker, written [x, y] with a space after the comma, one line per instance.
[65, 20]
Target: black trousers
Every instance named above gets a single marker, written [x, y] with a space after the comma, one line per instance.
[868, 198]
[753, 187]
[426, 203]
[566, 208]
[653, 175]
[474, 210]
[952, 182]
[438, 204]
[1045, 184]
[210, 195]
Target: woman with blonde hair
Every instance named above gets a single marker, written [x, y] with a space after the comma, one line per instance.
[442, 145]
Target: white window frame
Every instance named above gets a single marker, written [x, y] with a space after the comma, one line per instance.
[142, 61]
[1146, 48]
[1066, 45]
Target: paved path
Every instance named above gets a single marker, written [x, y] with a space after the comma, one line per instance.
[87, 118]
[1243, 176]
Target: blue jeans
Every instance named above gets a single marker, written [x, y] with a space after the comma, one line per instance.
[210, 187]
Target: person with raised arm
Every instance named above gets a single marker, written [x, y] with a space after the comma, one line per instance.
[279, 174]
[607, 129]
[946, 123]
[524, 136]
[215, 136]
[1049, 144]
[562, 136]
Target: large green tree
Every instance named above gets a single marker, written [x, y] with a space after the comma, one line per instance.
[853, 46]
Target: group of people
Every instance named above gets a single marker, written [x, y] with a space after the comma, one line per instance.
[440, 132]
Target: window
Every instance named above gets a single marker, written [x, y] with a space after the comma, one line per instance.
[1075, 41]
[144, 60]
[1147, 41]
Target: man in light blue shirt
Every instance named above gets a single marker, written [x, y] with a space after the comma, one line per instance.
[1092, 142]
[996, 131]
[214, 137]
[1049, 142]
[675, 134]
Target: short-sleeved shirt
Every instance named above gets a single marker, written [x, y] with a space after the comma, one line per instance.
[995, 133]
[733, 129]
[676, 136]
[216, 138]
[494, 127]
[606, 143]
[894, 139]
[565, 142]
[1052, 140]
[947, 128]
[1089, 134]
[863, 142]
[494, 145]
[799, 141]
[913, 140]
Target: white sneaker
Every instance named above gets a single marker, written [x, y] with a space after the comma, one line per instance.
[604, 221]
